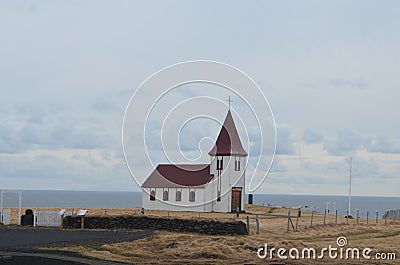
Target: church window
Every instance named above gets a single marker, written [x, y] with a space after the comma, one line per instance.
[219, 185]
[178, 195]
[220, 163]
[165, 195]
[237, 163]
[152, 195]
[192, 196]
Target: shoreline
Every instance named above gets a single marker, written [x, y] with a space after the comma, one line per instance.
[264, 212]
[121, 200]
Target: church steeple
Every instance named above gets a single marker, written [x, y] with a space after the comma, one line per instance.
[228, 141]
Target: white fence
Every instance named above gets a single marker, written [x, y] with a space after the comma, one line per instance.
[5, 217]
[48, 218]
[2, 193]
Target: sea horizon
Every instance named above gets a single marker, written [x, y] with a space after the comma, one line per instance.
[256, 193]
[130, 199]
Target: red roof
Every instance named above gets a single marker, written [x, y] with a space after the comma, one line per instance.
[228, 141]
[178, 176]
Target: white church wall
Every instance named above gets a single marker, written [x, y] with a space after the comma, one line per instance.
[229, 178]
[205, 198]
[172, 204]
[211, 195]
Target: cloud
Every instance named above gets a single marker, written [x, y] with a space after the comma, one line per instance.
[383, 145]
[65, 170]
[311, 137]
[193, 132]
[302, 176]
[347, 141]
[367, 169]
[32, 128]
[65, 89]
[10, 141]
[278, 166]
[284, 142]
[348, 83]
[58, 136]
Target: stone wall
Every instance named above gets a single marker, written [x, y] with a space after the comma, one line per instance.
[202, 226]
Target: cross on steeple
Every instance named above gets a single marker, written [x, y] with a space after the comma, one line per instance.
[229, 101]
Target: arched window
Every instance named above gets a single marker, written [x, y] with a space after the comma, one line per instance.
[178, 195]
[192, 196]
[152, 195]
[165, 195]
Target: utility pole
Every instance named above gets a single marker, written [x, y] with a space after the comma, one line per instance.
[349, 212]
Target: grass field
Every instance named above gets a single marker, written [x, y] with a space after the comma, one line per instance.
[188, 248]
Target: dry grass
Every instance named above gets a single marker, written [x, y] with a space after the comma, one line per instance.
[184, 248]
[189, 248]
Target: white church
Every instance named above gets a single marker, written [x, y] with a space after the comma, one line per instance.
[215, 187]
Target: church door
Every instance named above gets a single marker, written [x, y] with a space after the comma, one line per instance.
[236, 199]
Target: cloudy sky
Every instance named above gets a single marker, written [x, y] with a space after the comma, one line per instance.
[330, 71]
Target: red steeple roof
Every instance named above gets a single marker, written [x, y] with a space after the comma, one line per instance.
[228, 141]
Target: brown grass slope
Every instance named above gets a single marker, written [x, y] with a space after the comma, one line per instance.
[190, 248]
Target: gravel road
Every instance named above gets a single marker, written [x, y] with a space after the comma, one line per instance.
[18, 245]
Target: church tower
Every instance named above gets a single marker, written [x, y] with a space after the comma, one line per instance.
[228, 164]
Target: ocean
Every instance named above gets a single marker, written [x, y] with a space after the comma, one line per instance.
[109, 199]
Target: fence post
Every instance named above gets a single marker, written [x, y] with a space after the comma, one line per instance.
[376, 217]
[19, 208]
[288, 221]
[312, 217]
[297, 221]
[367, 216]
[336, 217]
[1, 207]
[357, 215]
[385, 217]
[347, 217]
[248, 225]
[34, 218]
[325, 217]
[62, 222]
[258, 224]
